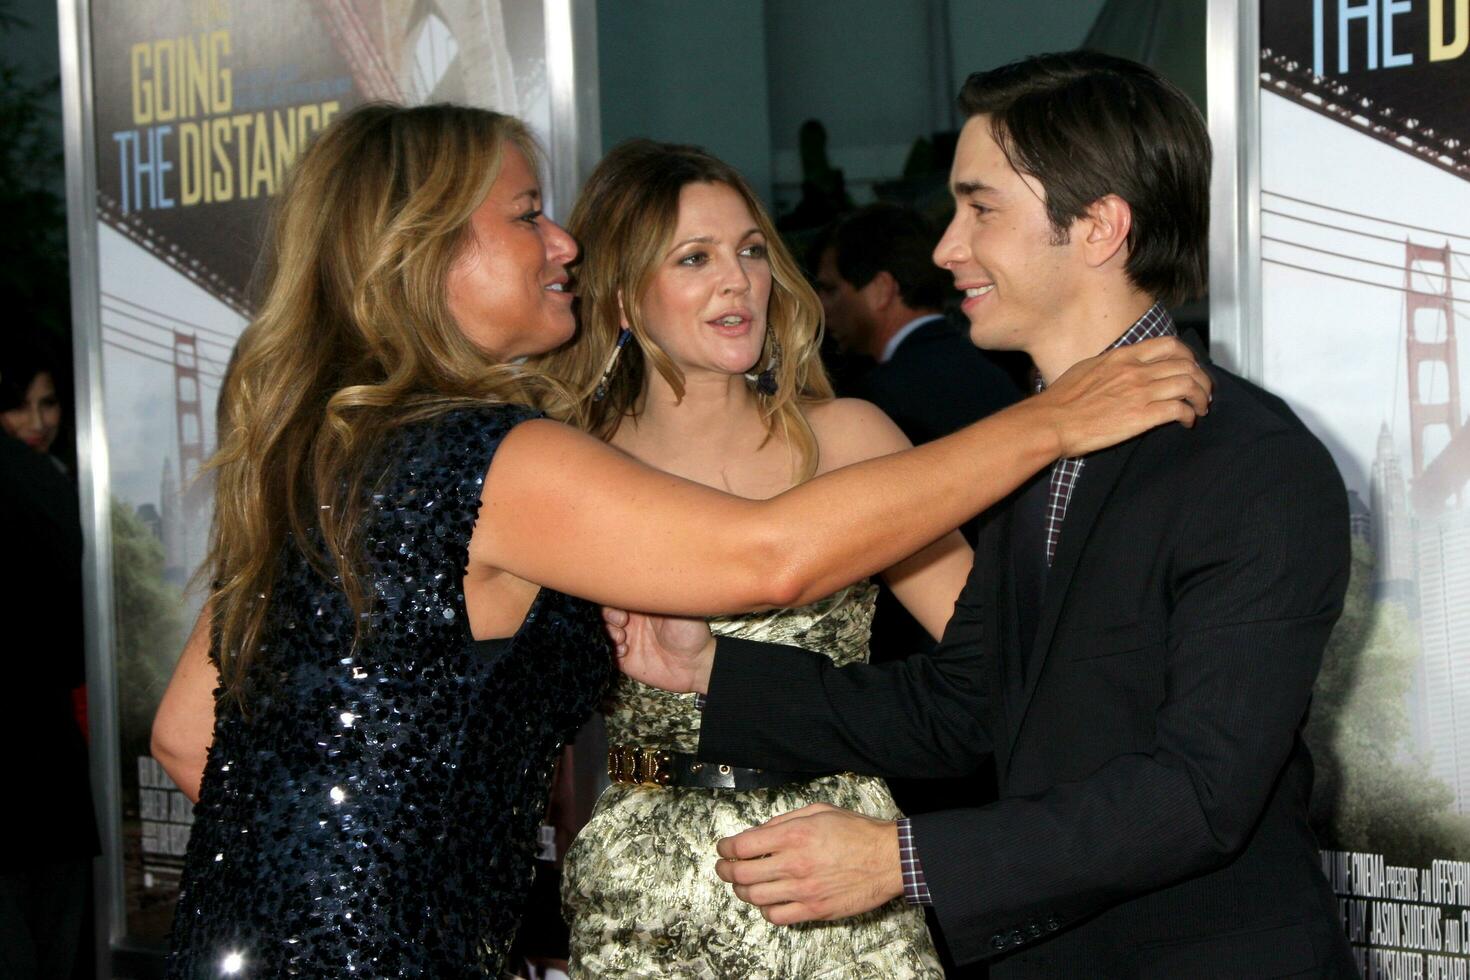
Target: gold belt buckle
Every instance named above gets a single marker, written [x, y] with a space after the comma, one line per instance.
[632, 764]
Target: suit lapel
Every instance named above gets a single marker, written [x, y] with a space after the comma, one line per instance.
[1095, 484]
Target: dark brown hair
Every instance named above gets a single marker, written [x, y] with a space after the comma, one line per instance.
[1087, 125]
[891, 238]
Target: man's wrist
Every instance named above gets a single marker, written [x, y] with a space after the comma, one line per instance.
[705, 667]
[894, 888]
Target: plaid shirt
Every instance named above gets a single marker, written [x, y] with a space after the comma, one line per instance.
[1064, 473]
[915, 889]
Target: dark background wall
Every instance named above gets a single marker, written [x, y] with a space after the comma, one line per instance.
[32, 48]
[740, 78]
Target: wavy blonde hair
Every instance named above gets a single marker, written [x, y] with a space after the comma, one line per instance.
[354, 338]
[624, 221]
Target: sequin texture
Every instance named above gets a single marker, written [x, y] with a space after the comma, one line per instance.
[375, 812]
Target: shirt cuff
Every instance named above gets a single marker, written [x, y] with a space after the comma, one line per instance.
[700, 700]
[915, 891]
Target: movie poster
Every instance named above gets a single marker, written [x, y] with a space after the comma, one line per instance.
[1365, 279]
[201, 108]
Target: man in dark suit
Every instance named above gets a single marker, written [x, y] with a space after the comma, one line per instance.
[1135, 650]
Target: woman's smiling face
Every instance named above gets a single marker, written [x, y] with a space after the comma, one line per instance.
[35, 420]
[507, 291]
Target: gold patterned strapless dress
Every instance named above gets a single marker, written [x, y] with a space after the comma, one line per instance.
[639, 886]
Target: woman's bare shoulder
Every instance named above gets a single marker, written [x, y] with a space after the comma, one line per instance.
[850, 430]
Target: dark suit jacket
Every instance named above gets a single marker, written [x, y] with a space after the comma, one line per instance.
[937, 381]
[1152, 819]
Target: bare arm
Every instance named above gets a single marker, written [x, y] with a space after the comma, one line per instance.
[563, 510]
[928, 581]
[184, 726]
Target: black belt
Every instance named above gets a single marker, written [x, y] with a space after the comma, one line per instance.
[633, 764]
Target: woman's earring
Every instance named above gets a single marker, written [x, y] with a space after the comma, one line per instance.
[624, 336]
[765, 382]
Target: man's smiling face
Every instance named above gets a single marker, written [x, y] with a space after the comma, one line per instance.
[1018, 274]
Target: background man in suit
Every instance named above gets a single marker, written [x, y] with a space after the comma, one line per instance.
[884, 297]
[1136, 647]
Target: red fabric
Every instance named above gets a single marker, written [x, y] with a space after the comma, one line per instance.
[79, 709]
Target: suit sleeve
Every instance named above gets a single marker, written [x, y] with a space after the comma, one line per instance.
[1257, 582]
[780, 707]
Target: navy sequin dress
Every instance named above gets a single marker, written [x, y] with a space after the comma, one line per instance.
[373, 813]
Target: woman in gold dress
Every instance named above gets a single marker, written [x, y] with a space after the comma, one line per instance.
[698, 352]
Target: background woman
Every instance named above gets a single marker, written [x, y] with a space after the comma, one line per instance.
[46, 857]
[30, 401]
[391, 624]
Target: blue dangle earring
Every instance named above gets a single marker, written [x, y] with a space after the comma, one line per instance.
[765, 382]
[600, 392]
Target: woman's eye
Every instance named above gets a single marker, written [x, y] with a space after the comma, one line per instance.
[755, 251]
[693, 258]
[530, 216]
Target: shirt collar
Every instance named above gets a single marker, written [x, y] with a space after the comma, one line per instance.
[903, 333]
[1155, 322]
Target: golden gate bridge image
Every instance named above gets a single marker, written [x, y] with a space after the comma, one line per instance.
[1419, 527]
[1420, 530]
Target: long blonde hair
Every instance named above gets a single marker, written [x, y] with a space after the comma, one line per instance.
[624, 220]
[354, 337]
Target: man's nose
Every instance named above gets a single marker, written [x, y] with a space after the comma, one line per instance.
[951, 249]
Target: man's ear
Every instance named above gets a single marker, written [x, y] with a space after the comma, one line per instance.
[881, 291]
[1105, 230]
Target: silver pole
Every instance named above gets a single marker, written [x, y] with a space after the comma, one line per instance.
[575, 147]
[571, 79]
[1233, 43]
[93, 477]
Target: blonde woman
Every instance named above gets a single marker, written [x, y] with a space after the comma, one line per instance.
[713, 333]
[391, 630]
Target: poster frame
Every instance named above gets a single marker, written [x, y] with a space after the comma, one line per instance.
[1233, 48]
[575, 146]
[74, 23]
[572, 82]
